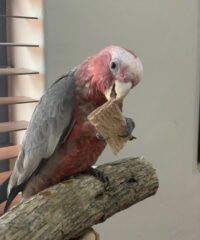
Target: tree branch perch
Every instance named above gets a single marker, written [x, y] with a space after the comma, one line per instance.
[68, 209]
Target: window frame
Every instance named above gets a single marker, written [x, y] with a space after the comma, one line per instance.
[4, 115]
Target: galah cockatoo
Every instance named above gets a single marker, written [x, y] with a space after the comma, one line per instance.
[60, 141]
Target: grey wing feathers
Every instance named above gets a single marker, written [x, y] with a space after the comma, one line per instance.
[51, 119]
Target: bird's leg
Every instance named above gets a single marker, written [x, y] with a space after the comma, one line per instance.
[130, 127]
[99, 175]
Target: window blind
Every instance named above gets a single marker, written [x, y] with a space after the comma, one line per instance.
[8, 150]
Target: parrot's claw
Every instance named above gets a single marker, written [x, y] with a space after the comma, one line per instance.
[99, 136]
[130, 127]
[99, 175]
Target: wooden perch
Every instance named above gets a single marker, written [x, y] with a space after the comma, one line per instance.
[68, 209]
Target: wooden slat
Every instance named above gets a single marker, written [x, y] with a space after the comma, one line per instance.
[13, 16]
[15, 201]
[16, 100]
[6, 44]
[9, 152]
[16, 71]
[13, 126]
[4, 176]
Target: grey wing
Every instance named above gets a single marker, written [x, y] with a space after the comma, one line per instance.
[51, 120]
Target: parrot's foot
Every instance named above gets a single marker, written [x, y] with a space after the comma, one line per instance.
[130, 127]
[99, 175]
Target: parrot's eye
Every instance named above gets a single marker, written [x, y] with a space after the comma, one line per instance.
[113, 65]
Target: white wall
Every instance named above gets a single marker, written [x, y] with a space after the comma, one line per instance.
[164, 106]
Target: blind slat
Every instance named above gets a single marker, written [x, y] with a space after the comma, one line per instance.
[16, 71]
[7, 44]
[14, 16]
[9, 152]
[16, 100]
[13, 126]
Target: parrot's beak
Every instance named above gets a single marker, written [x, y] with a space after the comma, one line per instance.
[118, 90]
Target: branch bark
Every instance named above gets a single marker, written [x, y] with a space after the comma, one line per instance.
[68, 209]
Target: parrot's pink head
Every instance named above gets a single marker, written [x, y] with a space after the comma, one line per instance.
[111, 73]
[115, 71]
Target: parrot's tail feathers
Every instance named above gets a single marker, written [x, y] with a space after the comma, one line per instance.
[3, 190]
[12, 195]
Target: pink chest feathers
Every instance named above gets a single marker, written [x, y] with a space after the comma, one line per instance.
[81, 148]
[80, 151]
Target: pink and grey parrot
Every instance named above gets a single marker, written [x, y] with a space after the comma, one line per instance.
[60, 141]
